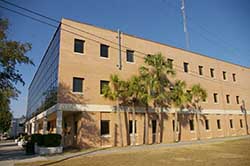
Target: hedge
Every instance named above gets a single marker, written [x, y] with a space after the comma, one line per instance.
[52, 140]
[46, 140]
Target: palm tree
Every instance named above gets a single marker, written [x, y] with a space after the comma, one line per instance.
[117, 91]
[135, 93]
[157, 74]
[197, 94]
[179, 98]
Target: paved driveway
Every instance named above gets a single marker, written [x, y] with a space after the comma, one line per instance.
[9, 152]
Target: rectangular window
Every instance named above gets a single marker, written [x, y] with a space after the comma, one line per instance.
[228, 99]
[224, 75]
[218, 124]
[130, 56]
[173, 124]
[215, 97]
[191, 125]
[231, 123]
[185, 65]
[104, 127]
[241, 124]
[103, 84]
[238, 99]
[200, 70]
[170, 62]
[212, 72]
[79, 46]
[75, 129]
[77, 84]
[104, 51]
[207, 124]
[153, 126]
[131, 126]
[234, 77]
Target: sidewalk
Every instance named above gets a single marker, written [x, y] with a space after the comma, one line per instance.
[66, 156]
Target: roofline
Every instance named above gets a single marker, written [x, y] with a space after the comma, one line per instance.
[161, 44]
[45, 53]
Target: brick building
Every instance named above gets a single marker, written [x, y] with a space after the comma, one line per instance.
[81, 58]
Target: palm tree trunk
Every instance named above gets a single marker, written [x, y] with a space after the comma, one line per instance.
[120, 122]
[198, 124]
[133, 124]
[146, 124]
[176, 126]
[157, 127]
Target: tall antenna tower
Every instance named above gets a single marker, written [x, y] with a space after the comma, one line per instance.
[185, 23]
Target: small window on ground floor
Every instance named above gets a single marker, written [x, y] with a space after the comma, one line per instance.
[207, 124]
[153, 126]
[131, 126]
[218, 124]
[104, 127]
[191, 125]
[241, 123]
[231, 123]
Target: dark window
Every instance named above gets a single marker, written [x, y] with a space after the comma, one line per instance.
[231, 123]
[170, 62]
[131, 126]
[65, 125]
[191, 125]
[212, 72]
[215, 98]
[228, 99]
[48, 126]
[234, 77]
[224, 75]
[153, 126]
[130, 56]
[200, 70]
[241, 124]
[103, 84]
[75, 128]
[104, 51]
[237, 99]
[104, 127]
[218, 124]
[185, 65]
[207, 124]
[173, 124]
[79, 46]
[77, 84]
[20, 124]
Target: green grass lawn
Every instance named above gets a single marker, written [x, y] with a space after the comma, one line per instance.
[235, 153]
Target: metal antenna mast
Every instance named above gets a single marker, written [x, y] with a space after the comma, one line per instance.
[185, 23]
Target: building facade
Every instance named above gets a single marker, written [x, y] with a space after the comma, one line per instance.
[80, 60]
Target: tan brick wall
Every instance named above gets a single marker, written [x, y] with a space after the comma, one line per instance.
[93, 68]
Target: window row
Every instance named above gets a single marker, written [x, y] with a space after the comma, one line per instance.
[105, 125]
[227, 97]
[212, 72]
[104, 50]
[78, 87]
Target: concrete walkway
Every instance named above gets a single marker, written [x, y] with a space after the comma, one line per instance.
[9, 154]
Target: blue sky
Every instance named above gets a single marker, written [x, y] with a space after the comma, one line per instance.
[218, 28]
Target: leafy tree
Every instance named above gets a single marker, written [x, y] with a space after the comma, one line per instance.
[117, 91]
[157, 71]
[179, 98]
[5, 120]
[198, 94]
[12, 53]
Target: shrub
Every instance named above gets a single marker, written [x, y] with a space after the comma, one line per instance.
[37, 138]
[52, 140]
[30, 148]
